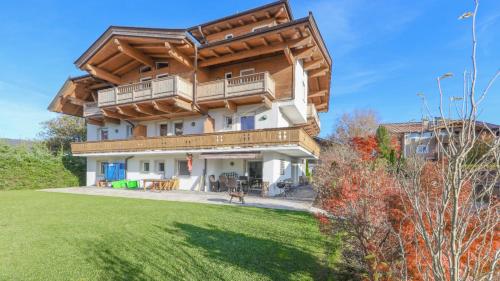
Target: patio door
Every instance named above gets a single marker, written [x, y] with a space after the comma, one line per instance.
[255, 169]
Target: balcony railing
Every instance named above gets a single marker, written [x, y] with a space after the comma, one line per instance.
[153, 89]
[237, 139]
[91, 109]
[258, 83]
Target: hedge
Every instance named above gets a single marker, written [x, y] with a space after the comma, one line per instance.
[35, 167]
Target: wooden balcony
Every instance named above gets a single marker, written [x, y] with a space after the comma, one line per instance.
[242, 89]
[171, 86]
[237, 139]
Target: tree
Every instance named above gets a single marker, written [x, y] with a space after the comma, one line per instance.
[59, 132]
[450, 208]
[353, 187]
[358, 124]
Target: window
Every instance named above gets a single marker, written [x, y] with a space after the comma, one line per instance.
[163, 75]
[178, 128]
[249, 71]
[229, 36]
[228, 75]
[282, 167]
[161, 64]
[144, 69]
[422, 149]
[247, 123]
[129, 131]
[260, 27]
[145, 166]
[228, 122]
[101, 167]
[163, 130]
[182, 168]
[144, 79]
[103, 134]
[160, 166]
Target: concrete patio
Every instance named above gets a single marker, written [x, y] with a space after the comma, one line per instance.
[221, 198]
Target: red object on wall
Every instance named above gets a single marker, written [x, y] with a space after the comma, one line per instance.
[190, 162]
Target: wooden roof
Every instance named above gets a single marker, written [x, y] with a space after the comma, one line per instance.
[122, 49]
[74, 93]
[280, 10]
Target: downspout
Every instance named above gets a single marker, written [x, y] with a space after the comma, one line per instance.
[126, 165]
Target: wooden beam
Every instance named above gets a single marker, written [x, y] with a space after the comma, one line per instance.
[144, 110]
[229, 25]
[178, 56]
[108, 59]
[253, 52]
[245, 44]
[241, 22]
[322, 106]
[127, 111]
[163, 108]
[254, 19]
[289, 56]
[111, 120]
[113, 114]
[125, 66]
[231, 106]
[317, 72]
[264, 41]
[313, 64]
[279, 12]
[139, 56]
[229, 49]
[76, 101]
[280, 37]
[268, 15]
[183, 105]
[304, 52]
[103, 74]
[320, 93]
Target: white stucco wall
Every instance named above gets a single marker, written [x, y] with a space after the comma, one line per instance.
[300, 88]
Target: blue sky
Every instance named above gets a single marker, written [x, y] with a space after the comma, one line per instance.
[384, 52]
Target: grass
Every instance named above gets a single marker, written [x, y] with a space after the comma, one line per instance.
[52, 236]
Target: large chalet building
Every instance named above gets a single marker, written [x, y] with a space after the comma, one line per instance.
[238, 95]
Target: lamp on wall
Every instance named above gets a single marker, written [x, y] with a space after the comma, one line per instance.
[263, 118]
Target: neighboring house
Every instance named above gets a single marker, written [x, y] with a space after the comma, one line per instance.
[421, 138]
[240, 94]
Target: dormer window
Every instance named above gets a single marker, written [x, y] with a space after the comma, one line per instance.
[228, 75]
[229, 36]
[259, 28]
[144, 69]
[161, 64]
[248, 71]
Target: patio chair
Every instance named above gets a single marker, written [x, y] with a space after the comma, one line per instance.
[235, 191]
[222, 182]
[285, 186]
[214, 184]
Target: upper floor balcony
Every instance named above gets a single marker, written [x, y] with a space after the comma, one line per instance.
[91, 109]
[244, 88]
[170, 86]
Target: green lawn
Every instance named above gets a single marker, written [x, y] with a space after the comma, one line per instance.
[53, 236]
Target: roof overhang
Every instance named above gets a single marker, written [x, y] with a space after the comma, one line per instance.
[74, 93]
[131, 32]
[279, 9]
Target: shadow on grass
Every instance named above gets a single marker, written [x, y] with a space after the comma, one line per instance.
[189, 252]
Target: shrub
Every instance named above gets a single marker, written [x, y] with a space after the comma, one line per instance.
[35, 167]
